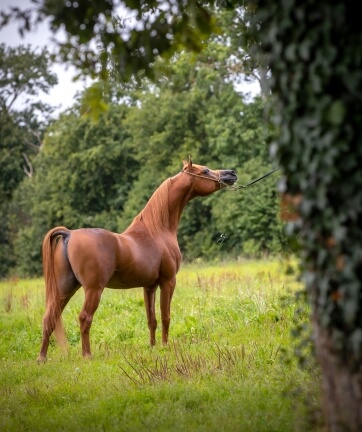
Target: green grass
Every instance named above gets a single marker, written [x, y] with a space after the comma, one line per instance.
[229, 365]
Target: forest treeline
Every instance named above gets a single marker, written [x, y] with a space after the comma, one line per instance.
[96, 166]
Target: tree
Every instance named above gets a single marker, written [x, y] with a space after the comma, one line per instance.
[130, 34]
[24, 72]
[245, 61]
[314, 54]
[250, 217]
[23, 75]
[11, 174]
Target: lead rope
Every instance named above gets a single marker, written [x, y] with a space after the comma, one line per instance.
[237, 187]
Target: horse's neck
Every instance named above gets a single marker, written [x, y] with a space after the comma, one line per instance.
[164, 209]
[179, 196]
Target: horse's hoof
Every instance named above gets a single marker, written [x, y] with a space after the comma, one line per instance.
[87, 356]
[41, 359]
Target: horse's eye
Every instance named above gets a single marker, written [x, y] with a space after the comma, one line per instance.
[206, 171]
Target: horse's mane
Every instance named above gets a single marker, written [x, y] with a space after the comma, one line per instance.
[155, 214]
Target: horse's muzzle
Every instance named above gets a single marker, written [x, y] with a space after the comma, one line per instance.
[228, 177]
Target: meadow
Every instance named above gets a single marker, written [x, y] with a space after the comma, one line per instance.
[230, 364]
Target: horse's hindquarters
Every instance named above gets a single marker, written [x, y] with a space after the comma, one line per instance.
[66, 281]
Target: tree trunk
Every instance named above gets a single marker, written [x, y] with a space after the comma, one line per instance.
[342, 387]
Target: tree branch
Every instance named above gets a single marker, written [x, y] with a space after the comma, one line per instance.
[28, 168]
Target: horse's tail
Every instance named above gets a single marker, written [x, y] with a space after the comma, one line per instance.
[52, 299]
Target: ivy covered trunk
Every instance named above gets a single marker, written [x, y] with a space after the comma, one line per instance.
[314, 50]
[342, 386]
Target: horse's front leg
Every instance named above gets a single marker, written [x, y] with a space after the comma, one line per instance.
[91, 302]
[167, 289]
[149, 294]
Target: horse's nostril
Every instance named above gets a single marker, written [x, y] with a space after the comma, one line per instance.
[232, 172]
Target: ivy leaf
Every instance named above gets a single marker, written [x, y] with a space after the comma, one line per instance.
[336, 113]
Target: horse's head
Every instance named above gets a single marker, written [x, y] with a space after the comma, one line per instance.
[206, 180]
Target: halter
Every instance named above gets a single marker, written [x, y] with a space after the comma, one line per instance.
[207, 178]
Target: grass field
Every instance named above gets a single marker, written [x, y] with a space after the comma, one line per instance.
[229, 366]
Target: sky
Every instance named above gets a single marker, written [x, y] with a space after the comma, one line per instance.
[63, 94]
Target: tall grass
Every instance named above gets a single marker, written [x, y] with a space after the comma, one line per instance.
[229, 365]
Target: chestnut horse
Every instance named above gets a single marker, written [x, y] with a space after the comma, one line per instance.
[145, 255]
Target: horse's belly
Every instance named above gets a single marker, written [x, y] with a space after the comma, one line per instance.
[141, 264]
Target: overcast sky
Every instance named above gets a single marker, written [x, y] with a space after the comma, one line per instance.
[62, 94]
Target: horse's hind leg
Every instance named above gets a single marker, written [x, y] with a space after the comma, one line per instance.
[50, 320]
[91, 302]
[149, 294]
[66, 285]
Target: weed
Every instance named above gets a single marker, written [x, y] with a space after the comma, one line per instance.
[32, 392]
[8, 301]
[229, 357]
[187, 365]
[25, 301]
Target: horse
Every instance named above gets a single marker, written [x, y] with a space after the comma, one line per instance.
[145, 255]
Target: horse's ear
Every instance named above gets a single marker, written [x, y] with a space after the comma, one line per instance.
[188, 163]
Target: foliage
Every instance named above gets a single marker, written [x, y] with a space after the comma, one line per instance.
[252, 220]
[221, 370]
[245, 60]
[23, 75]
[129, 34]
[315, 82]
[316, 79]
